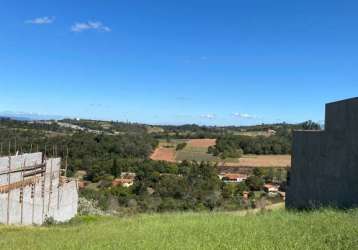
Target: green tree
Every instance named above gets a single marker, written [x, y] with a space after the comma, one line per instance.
[257, 172]
[181, 146]
[255, 183]
[229, 190]
[115, 169]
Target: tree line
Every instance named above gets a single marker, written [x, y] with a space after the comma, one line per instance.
[86, 151]
[234, 146]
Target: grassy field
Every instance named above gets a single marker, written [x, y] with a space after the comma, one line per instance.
[196, 150]
[325, 229]
[195, 154]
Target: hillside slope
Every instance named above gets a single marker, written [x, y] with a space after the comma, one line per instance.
[326, 229]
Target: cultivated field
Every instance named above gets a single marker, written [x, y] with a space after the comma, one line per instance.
[190, 153]
[324, 229]
[201, 143]
[197, 150]
[166, 150]
[259, 161]
[163, 154]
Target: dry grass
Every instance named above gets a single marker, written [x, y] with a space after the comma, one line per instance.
[201, 143]
[260, 161]
[154, 129]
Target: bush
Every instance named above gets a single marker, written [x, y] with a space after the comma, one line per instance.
[255, 183]
[49, 221]
[181, 146]
[88, 207]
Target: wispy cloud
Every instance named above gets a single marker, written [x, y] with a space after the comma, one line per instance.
[41, 20]
[194, 116]
[90, 25]
[208, 116]
[244, 116]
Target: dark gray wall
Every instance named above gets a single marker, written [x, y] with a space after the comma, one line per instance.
[325, 163]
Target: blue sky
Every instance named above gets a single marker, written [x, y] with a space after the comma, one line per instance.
[208, 62]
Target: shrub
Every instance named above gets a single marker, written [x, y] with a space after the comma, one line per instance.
[88, 207]
[181, 146]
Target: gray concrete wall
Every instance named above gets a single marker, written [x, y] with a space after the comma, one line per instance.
[44, 198]
[325, 164]
[342, 116]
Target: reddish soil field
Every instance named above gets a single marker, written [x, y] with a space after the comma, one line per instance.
[201, 143]
[163, 154]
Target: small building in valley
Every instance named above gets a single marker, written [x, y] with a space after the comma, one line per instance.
[126, 180]
[233, 177]
[271, 188]
[122, 182]
[128, 175]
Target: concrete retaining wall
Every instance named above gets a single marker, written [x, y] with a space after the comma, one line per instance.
[44, 197]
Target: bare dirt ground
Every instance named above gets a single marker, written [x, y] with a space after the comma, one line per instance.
[261, 161]
[163, 154]
[201, 143]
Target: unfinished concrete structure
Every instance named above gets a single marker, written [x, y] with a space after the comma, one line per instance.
[32, 190]
[325, 163]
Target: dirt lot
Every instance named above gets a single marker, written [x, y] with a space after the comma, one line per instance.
[163, 154]
[260, 161]
[201, 143]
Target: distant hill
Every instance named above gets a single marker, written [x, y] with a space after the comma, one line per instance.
[23, 116]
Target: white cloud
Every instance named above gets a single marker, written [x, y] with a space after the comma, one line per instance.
[208, 116]
[90, 25]
[41, 20]
[244, 116]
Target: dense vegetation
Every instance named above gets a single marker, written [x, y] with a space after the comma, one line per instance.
[233, 146]
[93, 152]
[93, 145]
[193, 131]
[105, 149]
[188, 186]
[190, 131]
[323, 229]
[112, 127]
